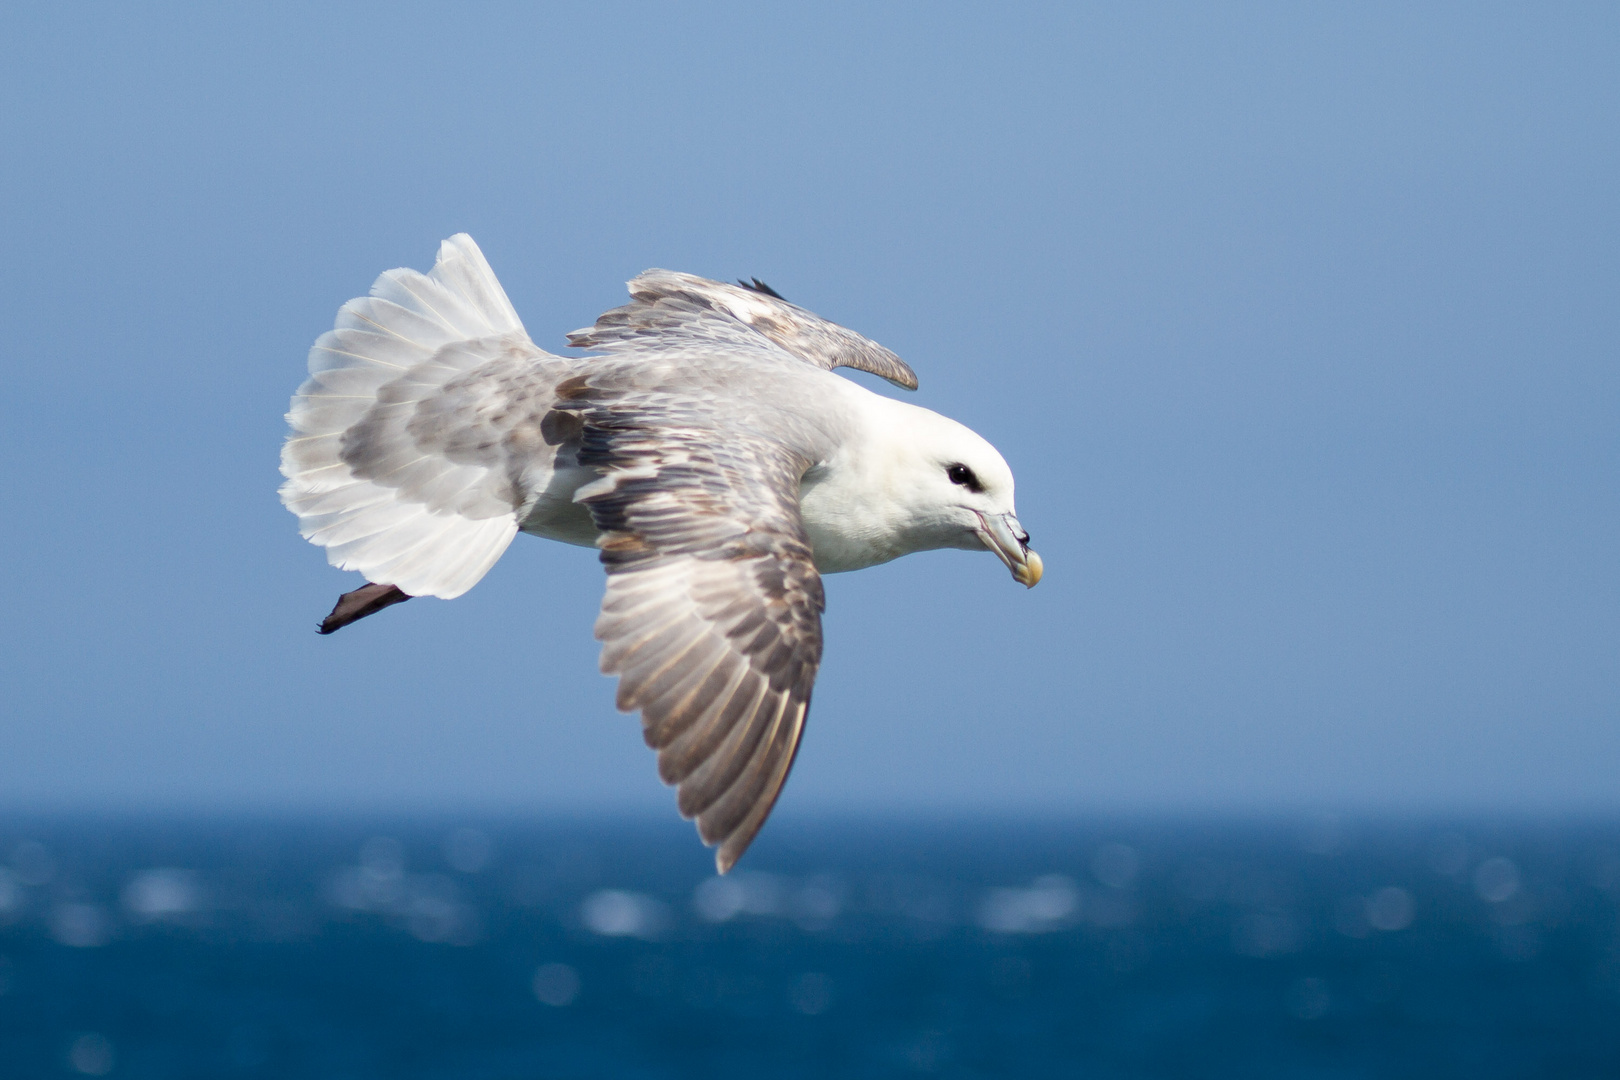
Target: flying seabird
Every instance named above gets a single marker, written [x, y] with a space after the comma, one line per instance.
[705, 448]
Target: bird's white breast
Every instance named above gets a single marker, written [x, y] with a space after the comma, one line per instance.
[844, 532]
[847, 502]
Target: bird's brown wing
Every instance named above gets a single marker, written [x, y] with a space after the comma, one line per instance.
[712, 618]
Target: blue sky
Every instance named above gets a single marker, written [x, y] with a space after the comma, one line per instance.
[1298, 325]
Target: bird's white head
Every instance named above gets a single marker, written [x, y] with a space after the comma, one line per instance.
[944, 486]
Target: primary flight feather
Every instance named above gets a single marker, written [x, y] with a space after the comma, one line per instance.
[705, 448]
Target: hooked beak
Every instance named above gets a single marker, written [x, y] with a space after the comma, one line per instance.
[1002, 534]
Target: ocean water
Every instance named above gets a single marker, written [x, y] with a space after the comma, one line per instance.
[1318, 947]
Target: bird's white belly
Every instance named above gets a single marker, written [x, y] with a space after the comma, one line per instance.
[841, 538]
[556, 516]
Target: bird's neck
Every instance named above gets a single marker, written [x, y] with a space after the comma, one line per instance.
[851, 509]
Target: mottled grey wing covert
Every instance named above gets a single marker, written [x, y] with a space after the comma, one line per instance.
[712, 617]
[671, 310]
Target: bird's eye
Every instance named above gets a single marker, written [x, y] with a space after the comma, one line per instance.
[961, 474]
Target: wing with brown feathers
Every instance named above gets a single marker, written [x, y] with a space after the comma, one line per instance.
[712, 618]
[671, 310]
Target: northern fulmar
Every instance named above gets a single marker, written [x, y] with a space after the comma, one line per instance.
[705, 448]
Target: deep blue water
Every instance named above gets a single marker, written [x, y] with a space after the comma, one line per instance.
[1088, 948]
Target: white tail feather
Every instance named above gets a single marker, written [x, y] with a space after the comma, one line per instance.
[431, 526]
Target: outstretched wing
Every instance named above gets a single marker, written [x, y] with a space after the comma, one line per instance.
[411, 436]
[712, 618]
[669, 310]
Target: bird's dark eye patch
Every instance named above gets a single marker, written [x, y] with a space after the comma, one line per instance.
[961, 474]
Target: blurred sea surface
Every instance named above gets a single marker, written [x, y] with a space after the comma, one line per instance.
[1104, 947]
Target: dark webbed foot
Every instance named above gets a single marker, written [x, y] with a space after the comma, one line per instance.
[366, 600]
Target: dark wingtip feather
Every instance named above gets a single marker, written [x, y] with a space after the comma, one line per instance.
[756, 285]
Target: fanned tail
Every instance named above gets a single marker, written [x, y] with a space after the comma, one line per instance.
[359, 476]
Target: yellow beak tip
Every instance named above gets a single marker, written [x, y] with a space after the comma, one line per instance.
[1032, 570]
